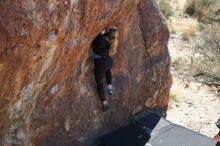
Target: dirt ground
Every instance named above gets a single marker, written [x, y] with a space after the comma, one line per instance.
[193, 105]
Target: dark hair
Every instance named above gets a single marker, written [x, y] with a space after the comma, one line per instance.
[110, 33]
[113, 30]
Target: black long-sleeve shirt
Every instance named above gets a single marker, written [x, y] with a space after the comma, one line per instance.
[101, 46]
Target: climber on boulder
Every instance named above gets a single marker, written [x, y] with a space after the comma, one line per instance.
[104, 46]
[217, 136]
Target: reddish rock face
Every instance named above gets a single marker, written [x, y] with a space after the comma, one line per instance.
[47, 89]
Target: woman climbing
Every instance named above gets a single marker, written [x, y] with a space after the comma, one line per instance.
[104, 45]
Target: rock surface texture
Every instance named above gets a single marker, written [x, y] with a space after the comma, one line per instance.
[47, 89]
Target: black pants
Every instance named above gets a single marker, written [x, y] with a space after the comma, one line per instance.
[103, 69]
[218, 143]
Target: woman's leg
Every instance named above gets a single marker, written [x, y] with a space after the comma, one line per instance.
[101, 67]
[108, 73]
[108, 76]
[100, 88]
[99, 75]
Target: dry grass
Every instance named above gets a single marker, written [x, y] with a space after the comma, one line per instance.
[207, 53]
[171, 26]
[189, 31]
[186, 27]
[208, 41]
[172, 29]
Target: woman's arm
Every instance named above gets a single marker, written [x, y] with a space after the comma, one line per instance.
[217, 138]
[114, 45]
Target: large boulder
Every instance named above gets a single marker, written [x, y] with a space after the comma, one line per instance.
[47, 89]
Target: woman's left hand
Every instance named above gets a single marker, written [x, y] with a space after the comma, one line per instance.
[217, 138]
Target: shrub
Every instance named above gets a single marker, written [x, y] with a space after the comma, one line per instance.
[166, 9]
[201, 26]
[208, 42]
[204, 3]
[171, 27]
[188, 32]
[189, 7]
[204, 10]
[207, 53]
[173, 96]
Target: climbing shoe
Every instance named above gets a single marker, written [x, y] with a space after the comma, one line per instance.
[105, 106]
[110, 91]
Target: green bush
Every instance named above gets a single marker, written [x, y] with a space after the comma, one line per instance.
[166, 9]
